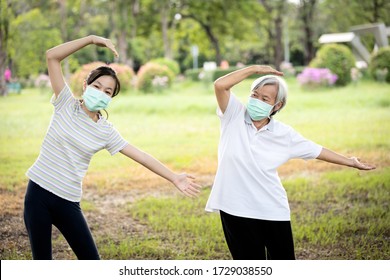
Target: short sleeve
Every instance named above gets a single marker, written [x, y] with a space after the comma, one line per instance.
[115, 142]
[64, 98]
[302, 148]
[234, 108]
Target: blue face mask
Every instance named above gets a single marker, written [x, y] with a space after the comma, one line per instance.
[258, 109]
[95, 100]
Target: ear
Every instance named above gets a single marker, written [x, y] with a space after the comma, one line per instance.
[278, 106]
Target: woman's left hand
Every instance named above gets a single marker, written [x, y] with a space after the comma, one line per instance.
[185, 183]
[103, 42]
[356, 163]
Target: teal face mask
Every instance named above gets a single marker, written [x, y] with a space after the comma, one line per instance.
[95, 100]
[258, 109]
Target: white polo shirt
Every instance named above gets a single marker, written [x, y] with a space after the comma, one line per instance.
[247, 182]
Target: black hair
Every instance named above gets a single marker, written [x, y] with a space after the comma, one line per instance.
[104, 71]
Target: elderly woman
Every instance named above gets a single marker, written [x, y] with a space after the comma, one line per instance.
[247, 190]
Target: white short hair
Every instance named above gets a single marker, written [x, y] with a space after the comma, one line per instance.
[273, 80]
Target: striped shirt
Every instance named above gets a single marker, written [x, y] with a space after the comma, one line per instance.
[70, 142]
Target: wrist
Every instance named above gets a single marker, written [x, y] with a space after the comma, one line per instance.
[352, 162]
[174, 179]
[90, 39]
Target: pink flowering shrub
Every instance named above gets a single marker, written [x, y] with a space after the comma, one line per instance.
[287, 68]
[42, 81]
[125, 75]
[154, 77]
[316, 77]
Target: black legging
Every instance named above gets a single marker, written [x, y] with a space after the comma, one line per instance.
[253, 239]
[42, 209]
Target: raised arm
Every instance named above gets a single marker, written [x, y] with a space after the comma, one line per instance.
[55, 55]
[332, 157]
[223, 84]
[183, 182]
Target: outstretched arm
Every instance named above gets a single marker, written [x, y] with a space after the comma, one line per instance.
[332, 157]
[223, 84]
[183, 182]
[55, 55]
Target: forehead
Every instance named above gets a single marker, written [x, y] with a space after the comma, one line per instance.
[269, 90]
[105, 81]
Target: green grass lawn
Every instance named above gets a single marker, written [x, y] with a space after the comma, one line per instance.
[337, 213]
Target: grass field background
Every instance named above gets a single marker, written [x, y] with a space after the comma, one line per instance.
[337, 212]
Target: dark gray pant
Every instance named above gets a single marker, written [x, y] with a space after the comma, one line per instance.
[253, 239]
[42, 209]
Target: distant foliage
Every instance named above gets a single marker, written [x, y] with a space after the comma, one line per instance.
[42, 81]
[193, 74]
[316, 77]
[153, 77]
[125, 74]
[288, 69]
[338, 59]
[171, 64]
[380, 65]
[217, 73]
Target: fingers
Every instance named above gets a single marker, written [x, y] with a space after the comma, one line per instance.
[363, 166]
[190, 189]
[186, 185]
[103, 42]
[266, 69]
[278, 73]
[190, 176]
[111, 46]
[115, 53]
[367, 166]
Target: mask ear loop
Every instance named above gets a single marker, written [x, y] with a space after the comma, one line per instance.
[105, 112]
[273, 113]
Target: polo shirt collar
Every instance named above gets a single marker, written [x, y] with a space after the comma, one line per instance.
[269, 126]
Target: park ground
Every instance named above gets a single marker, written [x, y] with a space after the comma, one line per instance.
[337, 212]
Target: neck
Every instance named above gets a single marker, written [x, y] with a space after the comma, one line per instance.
[93, 115]
[261, 123]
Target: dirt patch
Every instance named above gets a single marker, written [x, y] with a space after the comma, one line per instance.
[107, 210]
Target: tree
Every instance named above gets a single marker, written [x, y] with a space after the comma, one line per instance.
[32, 36]
[123, 21]
[340, 15]
[306, 13]
[5, 18]
[219, 19]
[276, 10]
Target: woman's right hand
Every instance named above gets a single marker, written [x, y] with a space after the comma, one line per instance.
[103, 42]
[265, 69]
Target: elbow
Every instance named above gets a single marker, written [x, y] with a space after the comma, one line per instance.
[49, 55]
[219, 85]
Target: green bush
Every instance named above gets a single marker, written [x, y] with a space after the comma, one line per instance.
[154, 77]
[171, 64]
[379, 62]
[222, 72]
[299, 69]
[125, 75]
[193, 74]
[338, 59]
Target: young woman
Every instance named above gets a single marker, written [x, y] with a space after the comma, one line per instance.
[247, 190]
[76, 132]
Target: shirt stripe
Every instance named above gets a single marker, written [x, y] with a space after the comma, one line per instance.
[70, 142]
